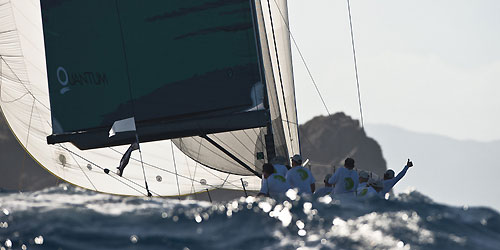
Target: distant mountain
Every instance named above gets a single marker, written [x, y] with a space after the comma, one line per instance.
[329, 140]
[448, 170]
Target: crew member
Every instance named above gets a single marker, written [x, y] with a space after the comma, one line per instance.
[300, 177]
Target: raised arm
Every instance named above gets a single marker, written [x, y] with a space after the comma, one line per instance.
[388, 184]
[408, 165]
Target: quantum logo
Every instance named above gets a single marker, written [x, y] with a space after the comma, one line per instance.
[62, 77]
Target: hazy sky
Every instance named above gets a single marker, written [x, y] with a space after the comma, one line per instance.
[428, 66]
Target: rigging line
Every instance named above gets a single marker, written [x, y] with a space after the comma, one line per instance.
[202, 166]
[72, 156]
[14, 100]
[230, 155]
[294, 123]
[142, 164]
[225, 180]
[279, 67]
[175, 167]
[124, 183]
[221, 156]
[8, 78]
[130, 93]
[232, 149]
[196, 163]
[187, 163]
[27, 140]
[118, 179]
[218, 177]
[73, 153]
[303, 59]
[189, 170]
[161, 169]
[91, 183]
[355, 62]
[24, 85]
[19, 42]
[185, 157]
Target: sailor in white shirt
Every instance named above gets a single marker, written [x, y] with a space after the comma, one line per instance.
[300, 177]
[345, 180]
[363, 179]
[279, 163]
[324, 190]
[372, 188]
[273, 184]
[390, 180]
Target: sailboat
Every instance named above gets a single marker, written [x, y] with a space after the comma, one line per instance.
[206, 85]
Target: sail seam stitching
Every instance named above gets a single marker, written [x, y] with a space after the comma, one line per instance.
[175, 167]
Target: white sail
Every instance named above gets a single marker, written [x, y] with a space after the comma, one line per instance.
[25, 105]
[24, 100]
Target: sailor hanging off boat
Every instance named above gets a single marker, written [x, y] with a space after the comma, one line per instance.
[280, 165]
[363, 179]
[300, 177]
[369, 189]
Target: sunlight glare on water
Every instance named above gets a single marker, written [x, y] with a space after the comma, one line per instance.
[412, 220]
[38, 240]
[134, 239]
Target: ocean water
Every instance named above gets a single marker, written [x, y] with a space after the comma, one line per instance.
[66, 217]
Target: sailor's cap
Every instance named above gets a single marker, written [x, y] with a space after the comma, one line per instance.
[297, 158]
[363, 174]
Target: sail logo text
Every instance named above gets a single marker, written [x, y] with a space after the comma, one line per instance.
[80, 78]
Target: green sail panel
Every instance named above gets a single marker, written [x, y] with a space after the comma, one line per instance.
[179, 67]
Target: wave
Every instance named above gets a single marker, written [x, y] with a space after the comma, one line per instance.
[67, 217]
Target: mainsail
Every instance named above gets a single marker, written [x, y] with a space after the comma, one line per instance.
[196, 76]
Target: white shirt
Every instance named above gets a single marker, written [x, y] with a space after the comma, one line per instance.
[301, 178]
[323, 191]
[280, 169]
[274, 185]
[362, 185]
[345, 181]
[367, 192]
